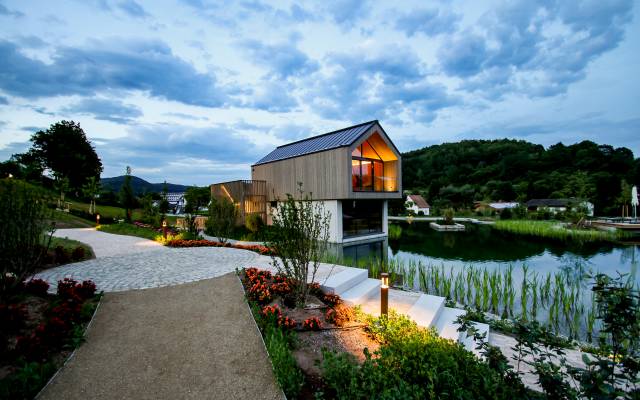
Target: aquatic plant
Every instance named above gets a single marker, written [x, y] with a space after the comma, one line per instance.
[557, 231]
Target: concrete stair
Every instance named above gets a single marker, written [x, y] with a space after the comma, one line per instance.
[360, 293]
[355, 288]
[344, 280]
[426, 311]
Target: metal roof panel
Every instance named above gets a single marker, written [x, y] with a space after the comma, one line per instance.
[327, 141]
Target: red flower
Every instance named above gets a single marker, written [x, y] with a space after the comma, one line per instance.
[312, 324]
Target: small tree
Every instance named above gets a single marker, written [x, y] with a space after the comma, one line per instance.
[61, 184]
[23, 231]
[195, 198]
[91, 190]
[222, 218]
[149, 211]
[299, 238]
[127, 198]
[448, 216]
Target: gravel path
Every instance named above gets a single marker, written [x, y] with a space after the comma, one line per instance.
[191, 341]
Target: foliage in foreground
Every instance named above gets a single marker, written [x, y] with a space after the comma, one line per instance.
[415, 363]
[24, 217]
[613, 371]
[285, 368]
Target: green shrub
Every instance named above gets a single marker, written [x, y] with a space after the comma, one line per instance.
[24, 215]
[254, 222]
[222, 218]
[285, 368]
[415, 363]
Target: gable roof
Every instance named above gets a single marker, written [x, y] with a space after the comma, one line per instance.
[418, 200]
[327, 141]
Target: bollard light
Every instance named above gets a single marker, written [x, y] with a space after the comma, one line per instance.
[97, 219]
[164, 228]
[384, 293]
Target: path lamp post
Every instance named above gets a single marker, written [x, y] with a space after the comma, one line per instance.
[97, 219]
[164, 229]
[384, 293]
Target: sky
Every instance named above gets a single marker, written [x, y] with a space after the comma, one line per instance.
[195, 91]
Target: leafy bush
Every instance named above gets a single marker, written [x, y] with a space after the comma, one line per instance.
[253, 222]
[414, 363]
[448, 215]
[286, 370]
[36, 287]
[27, 381]
[223, 215]
[312, 324]
[24, 214]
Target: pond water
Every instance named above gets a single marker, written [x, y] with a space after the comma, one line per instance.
[486, 269]
[483, 246]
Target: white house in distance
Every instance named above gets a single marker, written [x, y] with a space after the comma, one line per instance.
[417, 204]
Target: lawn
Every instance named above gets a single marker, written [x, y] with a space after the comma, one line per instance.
[65, 220]
[129, 230]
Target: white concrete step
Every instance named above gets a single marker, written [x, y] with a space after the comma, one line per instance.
[445, 324]
[426, 310]
[362, 292]
[469, 343]
[344, 280]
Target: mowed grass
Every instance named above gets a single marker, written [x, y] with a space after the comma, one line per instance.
[65, 220]
[129, 230]
[554, 230]
[70, 245]
[106, 211]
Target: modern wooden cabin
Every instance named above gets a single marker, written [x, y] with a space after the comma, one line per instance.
[353, 172]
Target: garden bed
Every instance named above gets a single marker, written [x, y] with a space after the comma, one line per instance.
[328, 350]
[210, 243]
[40, 331]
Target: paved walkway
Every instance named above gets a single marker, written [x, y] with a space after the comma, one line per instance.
[126, 262]
[191, 341]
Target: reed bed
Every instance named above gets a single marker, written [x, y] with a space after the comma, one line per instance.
[561, 300]
[557, 231]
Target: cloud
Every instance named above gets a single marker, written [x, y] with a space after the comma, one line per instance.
[13, 148]
[463, 55]
[11, 13]
[363, 85]
[105, 110]
[136, 65]
[132, 8]
[430, 22]
[535, 49]
[3, 101]
[180, 153]
[273, 96]
[347, 13]
[283, 59]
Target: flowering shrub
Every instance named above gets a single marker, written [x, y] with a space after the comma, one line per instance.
[339, 315]
[68, 312]
[331, 300]
[210, 243]
[13, 317]
[286, 322]
[314, 289]
[271, 312]
[36, 287]
[312, 324]
[260, 292]
[71, 290]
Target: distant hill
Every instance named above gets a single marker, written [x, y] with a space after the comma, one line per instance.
[457, 174]
[139, 185]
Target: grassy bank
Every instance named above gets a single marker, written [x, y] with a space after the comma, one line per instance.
[556, 231]
[70, 245]
[129, 230]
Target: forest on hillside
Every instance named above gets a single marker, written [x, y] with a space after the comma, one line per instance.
[457, 174]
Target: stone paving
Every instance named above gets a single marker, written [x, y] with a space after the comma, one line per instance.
[126, 262]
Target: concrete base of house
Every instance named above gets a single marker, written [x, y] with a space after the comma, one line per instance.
[446, 228]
